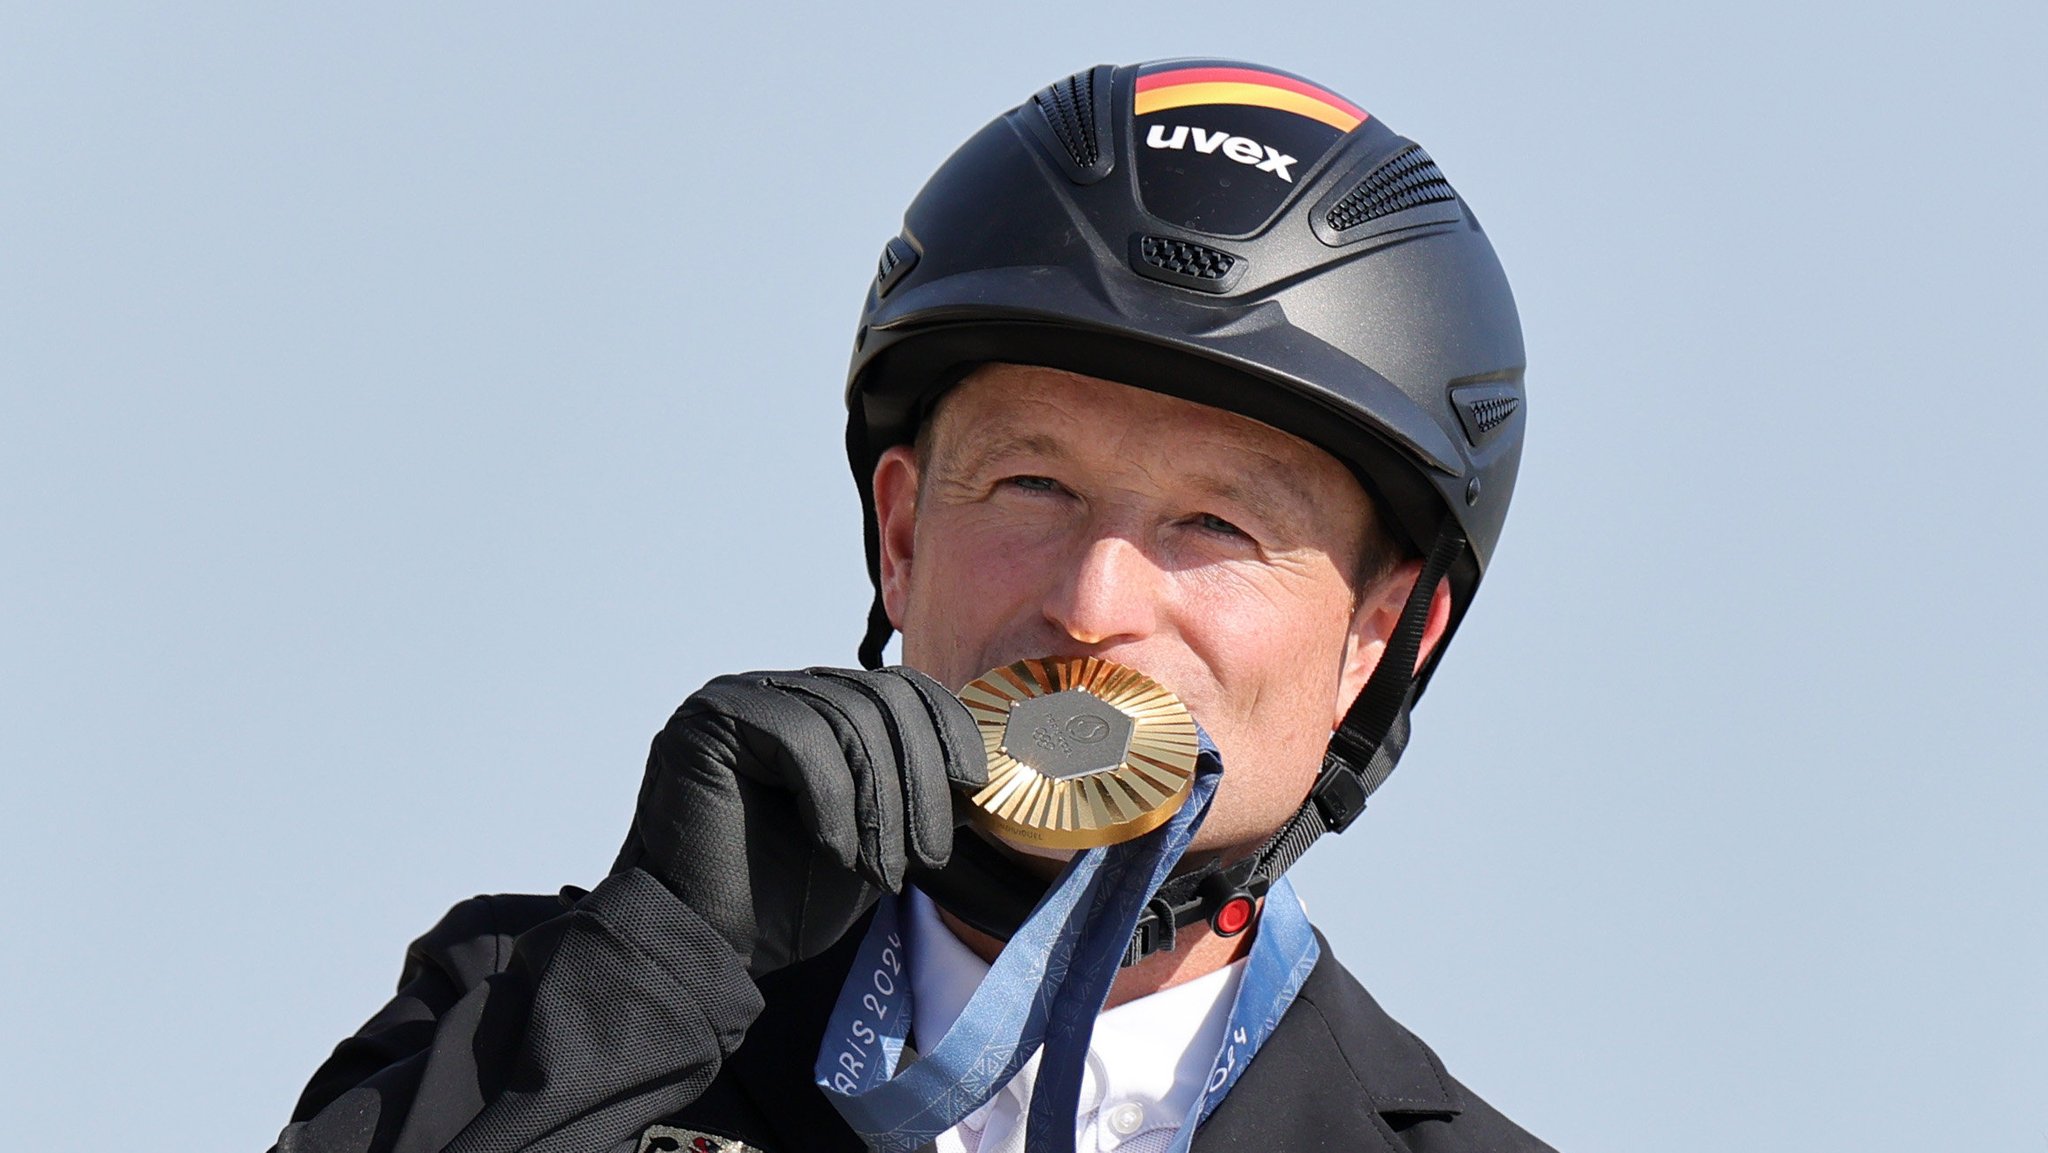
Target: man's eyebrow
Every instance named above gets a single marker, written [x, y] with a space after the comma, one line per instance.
[1263, 485]
[1268, 490]
[977, 453]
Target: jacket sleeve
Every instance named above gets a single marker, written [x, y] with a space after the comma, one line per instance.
[543, 1023]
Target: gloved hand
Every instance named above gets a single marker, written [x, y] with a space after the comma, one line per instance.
[777, 805]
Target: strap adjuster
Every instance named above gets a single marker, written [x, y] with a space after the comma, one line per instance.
[1339, 796]
[1155, 933]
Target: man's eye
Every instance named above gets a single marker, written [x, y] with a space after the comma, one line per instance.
[1035, 483]
[1217, 524]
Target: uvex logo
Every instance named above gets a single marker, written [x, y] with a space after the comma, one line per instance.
[1238, 148]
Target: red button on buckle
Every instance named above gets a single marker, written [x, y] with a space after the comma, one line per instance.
[1231, 918]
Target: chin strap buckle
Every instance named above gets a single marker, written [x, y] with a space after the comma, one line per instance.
[1155, 932]
[1339, 795]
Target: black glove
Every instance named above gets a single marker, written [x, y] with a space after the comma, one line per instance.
[778, 805]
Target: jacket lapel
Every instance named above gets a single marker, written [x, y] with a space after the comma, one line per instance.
[1336, 1068]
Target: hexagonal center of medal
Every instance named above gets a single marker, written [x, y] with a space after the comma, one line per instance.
[1071, 733]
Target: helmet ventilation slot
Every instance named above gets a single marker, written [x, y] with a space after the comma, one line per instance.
[1073, 123]
[1409, 180]
[1069, 109]
[1486, 414]
[1484, 409]
[895, 263]
[1404, 191]
[1186, 257]
[1185, 263]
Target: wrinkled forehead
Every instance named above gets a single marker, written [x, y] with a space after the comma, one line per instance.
[1001, 400]
[1001, 413]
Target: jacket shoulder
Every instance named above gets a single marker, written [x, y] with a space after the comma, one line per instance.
[471, 942]
[474, 939]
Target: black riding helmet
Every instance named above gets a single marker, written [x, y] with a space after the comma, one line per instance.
[1239, 237]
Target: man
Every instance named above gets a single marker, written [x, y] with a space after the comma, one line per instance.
[1193, 367]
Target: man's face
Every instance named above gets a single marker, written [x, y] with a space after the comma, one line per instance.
[1062, 515]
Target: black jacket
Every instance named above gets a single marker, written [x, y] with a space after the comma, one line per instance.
[575, 1023]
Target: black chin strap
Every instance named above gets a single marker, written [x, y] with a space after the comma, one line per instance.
[878, 634]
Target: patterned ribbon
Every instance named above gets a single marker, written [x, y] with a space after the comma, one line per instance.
[1046, 988]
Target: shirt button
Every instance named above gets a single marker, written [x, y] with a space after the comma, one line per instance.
[1125, 1118]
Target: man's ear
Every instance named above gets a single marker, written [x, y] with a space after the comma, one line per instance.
[1373, 624]
[896, 517]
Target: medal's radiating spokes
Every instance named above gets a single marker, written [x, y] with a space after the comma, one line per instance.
[1082, 752]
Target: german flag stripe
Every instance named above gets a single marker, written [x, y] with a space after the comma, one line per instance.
[1187, 87]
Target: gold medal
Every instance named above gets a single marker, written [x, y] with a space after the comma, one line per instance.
[1082, 752]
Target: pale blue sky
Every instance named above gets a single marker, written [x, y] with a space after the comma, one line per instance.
[402, 408]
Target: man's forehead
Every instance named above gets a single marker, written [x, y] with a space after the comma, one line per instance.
[1026, 401]
[1000, 412]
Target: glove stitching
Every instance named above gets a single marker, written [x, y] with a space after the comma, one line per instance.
[867, 782]
[913, 799]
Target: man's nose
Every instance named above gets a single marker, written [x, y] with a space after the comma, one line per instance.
[1109, 592]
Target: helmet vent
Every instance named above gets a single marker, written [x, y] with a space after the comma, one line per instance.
[1069, 108]
[1409, 180]
[1484, 409]
[1072, 123]
[1185, 264]
[1487, 414]
[1186, 258]
[895, 263]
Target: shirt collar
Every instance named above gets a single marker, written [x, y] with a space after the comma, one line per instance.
[1156, 1050]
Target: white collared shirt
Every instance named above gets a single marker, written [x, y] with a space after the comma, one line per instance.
[1147, 1059]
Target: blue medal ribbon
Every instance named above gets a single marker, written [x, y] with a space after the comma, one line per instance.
[1045, 988]
[1281, 957]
